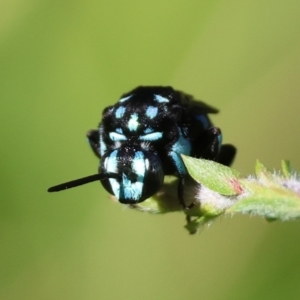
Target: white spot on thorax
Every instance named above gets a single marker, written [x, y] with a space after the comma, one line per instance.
[119, 113]
[151, 112]
[133, 122]
[161, 99]
[125, 98]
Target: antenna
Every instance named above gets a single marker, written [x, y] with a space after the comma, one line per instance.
[81, 181]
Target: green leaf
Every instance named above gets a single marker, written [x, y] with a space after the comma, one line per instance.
[286, 168]
[272, 203]
[214, 176]
[263, 174]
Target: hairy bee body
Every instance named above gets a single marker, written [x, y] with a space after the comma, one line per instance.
[140, 139]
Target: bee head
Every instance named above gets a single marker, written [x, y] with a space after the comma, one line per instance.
[139, 174]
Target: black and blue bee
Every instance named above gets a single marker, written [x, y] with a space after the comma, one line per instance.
[140, 140]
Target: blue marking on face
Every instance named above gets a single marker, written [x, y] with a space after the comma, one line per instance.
[102, 145]
[127, 190]
[148, 130]
[204, 120]
[111, 162]
[161, 99]
[114, 136]
[138, 165]
[151, 112]
[111, 165]
[151, 136]
[119, 130]
[120, 112]
[125, 98]
[134, 190]
[133, 122]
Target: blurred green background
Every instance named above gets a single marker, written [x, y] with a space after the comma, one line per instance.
[61, 63]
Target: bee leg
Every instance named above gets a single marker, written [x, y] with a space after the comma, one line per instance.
[180, 192]
[182, 172]
[212, 140]
[212, 148]
[93, 139]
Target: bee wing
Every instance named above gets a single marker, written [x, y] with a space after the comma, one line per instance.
[196, 107]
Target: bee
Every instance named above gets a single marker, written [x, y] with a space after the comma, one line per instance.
[140, 139]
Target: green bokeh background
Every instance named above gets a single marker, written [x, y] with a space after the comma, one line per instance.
[61, 63]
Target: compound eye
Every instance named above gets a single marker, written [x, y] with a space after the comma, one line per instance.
[151, 136]
[116, 137]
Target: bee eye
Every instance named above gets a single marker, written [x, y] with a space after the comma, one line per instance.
[114, 136]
